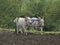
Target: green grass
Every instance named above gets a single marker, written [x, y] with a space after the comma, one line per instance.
[34, 31]
[38, 32]
[45, 32]
[52, 32]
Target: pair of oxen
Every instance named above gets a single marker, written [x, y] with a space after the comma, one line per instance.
[32, 23]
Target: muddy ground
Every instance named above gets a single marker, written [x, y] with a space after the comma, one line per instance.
[10, 38]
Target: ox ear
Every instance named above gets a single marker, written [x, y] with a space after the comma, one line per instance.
[25, 18]
[16, 20]
[39, 17]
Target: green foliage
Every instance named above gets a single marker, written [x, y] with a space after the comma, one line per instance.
[53, 16]
[9, 9]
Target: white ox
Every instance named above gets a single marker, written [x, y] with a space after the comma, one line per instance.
[22, 24]
[38, 23]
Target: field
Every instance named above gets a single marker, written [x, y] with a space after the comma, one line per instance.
[11, 38]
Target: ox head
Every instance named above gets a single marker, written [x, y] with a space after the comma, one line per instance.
[28, 19]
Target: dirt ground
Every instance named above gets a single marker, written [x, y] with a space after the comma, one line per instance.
[10, 38]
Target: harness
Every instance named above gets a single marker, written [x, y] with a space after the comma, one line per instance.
[33, 19]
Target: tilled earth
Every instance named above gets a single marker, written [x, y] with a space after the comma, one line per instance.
[10, 38]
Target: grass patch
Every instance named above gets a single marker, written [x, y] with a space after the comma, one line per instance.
[38, 32]
[52, 32]
[32, 31]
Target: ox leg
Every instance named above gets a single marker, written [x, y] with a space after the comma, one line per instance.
[41, 30]
[17, 29]
[21, 30]
[36, 27]
[24, 30]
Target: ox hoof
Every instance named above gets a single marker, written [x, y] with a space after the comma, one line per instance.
[26, 33]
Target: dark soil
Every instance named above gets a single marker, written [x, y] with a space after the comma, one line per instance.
[10, 38]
